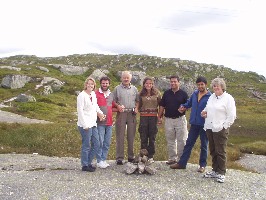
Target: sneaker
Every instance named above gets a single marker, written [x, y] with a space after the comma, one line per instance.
[220, 178]
[151, 160]
[101, 165]
[130, 160]
[119, 162]
[108, 165]
[201, 169]
[211, 174]
[88, 168]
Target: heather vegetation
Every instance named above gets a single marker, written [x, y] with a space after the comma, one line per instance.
[61, 138]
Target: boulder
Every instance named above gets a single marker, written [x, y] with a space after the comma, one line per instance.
[53, 85]
[15, 81]
[25, 98]
[10, 68]
[42, 68]
[97, 74]
[47, 90]
[70, 69]
[141, 164]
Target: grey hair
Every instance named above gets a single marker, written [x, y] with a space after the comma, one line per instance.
[126, 73]
[219, 81]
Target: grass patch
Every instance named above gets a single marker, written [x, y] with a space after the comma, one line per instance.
[62, 137]
[256, 147]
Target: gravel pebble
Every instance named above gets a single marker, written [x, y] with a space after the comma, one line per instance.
[24, 176]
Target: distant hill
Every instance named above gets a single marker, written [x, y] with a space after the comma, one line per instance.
[52, 83]
[242, 85]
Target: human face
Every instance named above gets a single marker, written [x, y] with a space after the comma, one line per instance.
[105, 85]
[174, 84]
[201, 86]
[148, 85]
[90, 85]
[217, 89]
[126, 78]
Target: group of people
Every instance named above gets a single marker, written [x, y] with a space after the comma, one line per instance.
[210, 118]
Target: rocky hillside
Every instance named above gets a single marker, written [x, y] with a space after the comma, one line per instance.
[31, 78]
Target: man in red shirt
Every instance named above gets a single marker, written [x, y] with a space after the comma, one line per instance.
[105, 102]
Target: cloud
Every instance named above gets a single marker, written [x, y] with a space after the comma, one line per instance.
[187, 19]
[228, 33]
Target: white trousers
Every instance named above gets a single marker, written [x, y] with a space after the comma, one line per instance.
[176, 135]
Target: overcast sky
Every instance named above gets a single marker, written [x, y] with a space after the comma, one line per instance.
[223, 32]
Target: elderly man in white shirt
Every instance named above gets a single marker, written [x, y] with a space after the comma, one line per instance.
[220, 113]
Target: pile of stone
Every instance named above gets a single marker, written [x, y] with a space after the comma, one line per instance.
[141, 164]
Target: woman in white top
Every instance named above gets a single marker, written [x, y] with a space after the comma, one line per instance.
[88, 110]
[220, 113]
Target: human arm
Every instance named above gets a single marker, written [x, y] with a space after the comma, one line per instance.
[160, 114]
[230, 112]
[114, 108]
[80, 110]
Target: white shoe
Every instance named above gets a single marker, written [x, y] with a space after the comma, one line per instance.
[211, 174]
[101, 165]
[108, 165]
[220, 178]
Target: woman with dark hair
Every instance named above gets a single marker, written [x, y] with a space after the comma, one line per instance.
[149, 99]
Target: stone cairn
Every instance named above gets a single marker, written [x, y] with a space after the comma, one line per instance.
[141, 164]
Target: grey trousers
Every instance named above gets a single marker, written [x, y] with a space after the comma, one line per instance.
[125, 121]
[217, 147]
[176, 136]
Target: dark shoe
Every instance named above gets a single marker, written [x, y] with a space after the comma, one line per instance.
[177, 166]
[201, 170]
[92, 167]
[131, 160]
[88, 168]
[170, 162]
[119, 162]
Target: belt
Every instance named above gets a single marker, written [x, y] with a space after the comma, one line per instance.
[128, 109]
[175, 117]
[149, 110]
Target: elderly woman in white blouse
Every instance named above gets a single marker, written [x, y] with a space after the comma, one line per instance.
[220, 113]
[88, 110]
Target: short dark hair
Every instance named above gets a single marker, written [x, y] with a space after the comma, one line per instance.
[105, 78]
[174, 76]
[201, 79]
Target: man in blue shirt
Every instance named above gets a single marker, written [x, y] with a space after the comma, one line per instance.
[197, 102]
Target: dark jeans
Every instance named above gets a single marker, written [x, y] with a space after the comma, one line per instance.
[148, 130]
[194, 132]
[217, 146]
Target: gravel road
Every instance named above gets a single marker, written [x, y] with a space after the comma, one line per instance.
[25, 176]
[28, 176]
[9, 117]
